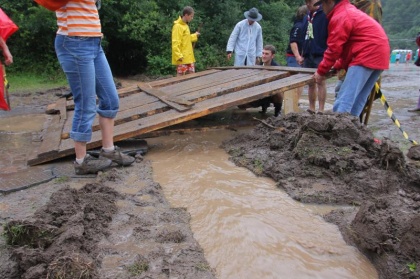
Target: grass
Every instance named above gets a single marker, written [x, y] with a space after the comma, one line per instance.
[29, 82]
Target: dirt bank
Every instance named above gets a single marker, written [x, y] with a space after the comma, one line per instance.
[118, 226]
[332, 159]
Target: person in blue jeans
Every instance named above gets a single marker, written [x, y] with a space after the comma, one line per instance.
[79, 51]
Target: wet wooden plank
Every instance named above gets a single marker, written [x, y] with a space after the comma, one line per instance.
[52, 130]
[171, 117]
[134, 104]
[271, 68]
[179, 105]
[173, 80]
[144, 118]
[232, 86]
[189, 86]
[134, 113]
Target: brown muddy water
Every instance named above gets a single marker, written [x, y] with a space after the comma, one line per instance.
[247, 227]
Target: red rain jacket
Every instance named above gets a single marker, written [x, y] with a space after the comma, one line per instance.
[354, 39]
[7, 28]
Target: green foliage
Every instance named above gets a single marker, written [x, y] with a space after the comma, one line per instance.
[401, 23]
[137, 33]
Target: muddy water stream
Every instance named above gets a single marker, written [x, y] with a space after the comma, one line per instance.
[247, 227]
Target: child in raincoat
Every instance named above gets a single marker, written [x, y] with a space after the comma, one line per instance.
[182, 39]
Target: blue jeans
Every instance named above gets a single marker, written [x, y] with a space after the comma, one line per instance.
[89, 76]
[355, 90]
[291, 61]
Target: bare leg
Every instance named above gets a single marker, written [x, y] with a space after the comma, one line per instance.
[322, 95]
[80, 149]
[312, 95]
[107, 131]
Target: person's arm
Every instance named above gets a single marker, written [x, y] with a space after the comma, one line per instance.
[295, 49]
[232, 40]
[8, 58]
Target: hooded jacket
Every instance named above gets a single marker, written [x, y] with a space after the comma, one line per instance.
[354, 39]
[182, 43]
[246, 41]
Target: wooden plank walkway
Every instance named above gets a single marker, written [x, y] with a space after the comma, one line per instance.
[155, 105]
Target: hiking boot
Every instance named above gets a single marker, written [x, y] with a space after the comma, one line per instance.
[117, 157]
[91, 165]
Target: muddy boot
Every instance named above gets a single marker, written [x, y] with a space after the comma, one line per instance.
[117, 157]
[91, 165]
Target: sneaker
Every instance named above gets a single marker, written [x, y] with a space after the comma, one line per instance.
[91, 165]
[117, 157]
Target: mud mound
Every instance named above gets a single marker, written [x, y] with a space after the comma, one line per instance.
[333, 159]
[320, 159]
[60, 241]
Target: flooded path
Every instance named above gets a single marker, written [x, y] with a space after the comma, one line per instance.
[248, 227]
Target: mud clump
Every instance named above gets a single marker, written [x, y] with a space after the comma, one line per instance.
[333, 159]
[60, 240]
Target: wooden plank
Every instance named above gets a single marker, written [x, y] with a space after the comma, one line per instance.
[171, 117]
[190, 86]
[126, 116]
[271, 68]
[51, 140]
[221, 89]
[163, 97]
[173, 80]
[290, 100]
[127, 103]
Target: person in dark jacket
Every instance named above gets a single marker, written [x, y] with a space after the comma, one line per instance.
[358, 44]
[294, 53]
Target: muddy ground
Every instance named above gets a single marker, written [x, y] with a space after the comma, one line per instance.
[333, 159]
[115, 225]
[76, 228]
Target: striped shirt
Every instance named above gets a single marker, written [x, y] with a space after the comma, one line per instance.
[79, 18]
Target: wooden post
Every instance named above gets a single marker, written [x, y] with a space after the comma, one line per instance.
[290, 101]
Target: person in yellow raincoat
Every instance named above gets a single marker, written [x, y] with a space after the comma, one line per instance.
[182, 39]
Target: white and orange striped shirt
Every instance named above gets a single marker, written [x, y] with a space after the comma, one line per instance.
[79, 18]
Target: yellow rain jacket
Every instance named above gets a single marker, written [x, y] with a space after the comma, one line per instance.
[182, 43]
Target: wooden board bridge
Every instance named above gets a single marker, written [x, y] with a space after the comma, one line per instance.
[158, 104]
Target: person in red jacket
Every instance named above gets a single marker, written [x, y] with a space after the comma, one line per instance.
[417, 109]
[358, 44]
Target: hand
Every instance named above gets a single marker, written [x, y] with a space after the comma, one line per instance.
[8, 58]
[300, 60]
[318, 78]
[198, 33]
[229, 56]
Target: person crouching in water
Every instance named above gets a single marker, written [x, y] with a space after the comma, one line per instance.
[358, 44]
